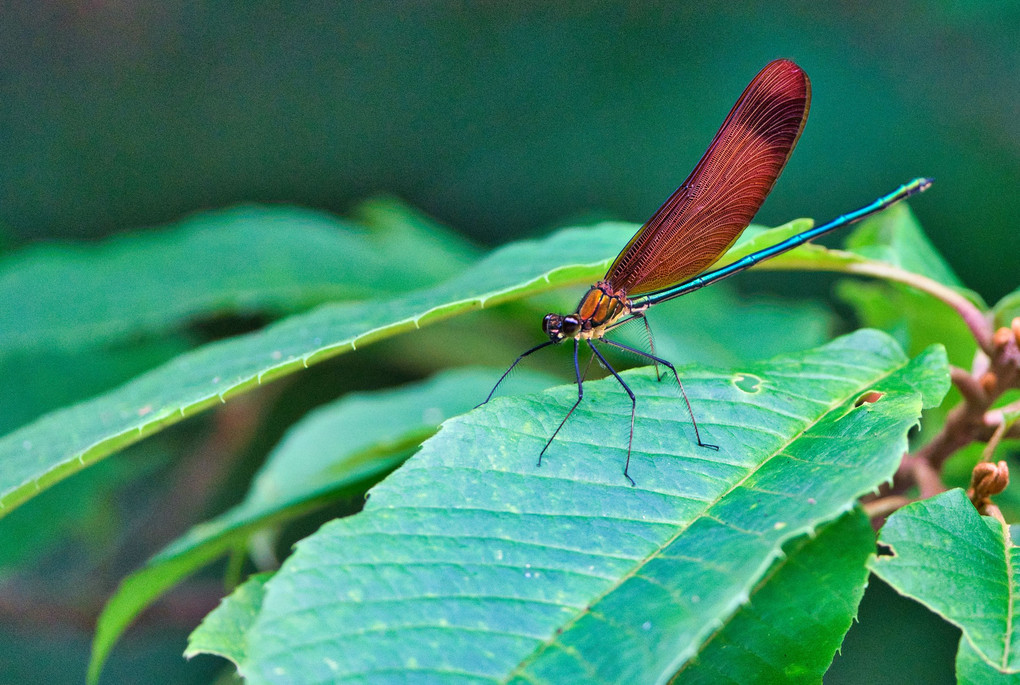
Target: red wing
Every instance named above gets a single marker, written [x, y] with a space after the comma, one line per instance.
[700, 221]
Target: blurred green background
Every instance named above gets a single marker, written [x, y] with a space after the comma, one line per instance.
[497, 118]
[500, 121]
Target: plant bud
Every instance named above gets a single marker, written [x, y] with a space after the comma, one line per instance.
[989, 383]
[1002, 337]
[989, 479]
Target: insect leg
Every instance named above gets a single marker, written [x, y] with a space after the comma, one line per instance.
[651, 344]
[580, 396]
[683, 392]
[633, 407]
[517, 361]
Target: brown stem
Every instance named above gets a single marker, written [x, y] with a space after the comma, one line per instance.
[971, 420]
[968, 386]
[883, 506]
[968, 311]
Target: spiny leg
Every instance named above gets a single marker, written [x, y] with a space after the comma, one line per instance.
[580, 395]
[651, 344]
[660, 360]
[648, 331]
[633, 407]
[517, 361]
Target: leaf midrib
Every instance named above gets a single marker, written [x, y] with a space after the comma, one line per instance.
[546, 644]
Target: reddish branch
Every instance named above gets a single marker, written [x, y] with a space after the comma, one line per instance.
[996, 370]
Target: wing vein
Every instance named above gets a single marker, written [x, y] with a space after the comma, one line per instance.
[704, 216]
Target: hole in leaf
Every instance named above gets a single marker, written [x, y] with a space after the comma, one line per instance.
[869, 397]
[747, 382]
[884, 550]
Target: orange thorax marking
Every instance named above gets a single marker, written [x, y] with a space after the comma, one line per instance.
[600, 307]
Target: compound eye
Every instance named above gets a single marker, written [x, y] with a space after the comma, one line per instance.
[570, 326]
[551, 324]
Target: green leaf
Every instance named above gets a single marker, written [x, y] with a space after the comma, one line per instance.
[241, 260]
[963, 567]
[915, 319]
[720, 327]
[1007, 309]
[471, 563]
[357, 437]
[894, 236]
[65, 441]
[336, 448]
[891, 237]
[417, 250]
[32, 384]
[222, 631]
[797, 615]
[971, 669]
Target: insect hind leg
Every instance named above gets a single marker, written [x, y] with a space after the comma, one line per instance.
[651, 346]
[668, 365]
[648, 337]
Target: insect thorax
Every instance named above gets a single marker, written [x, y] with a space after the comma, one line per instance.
[599, 309]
